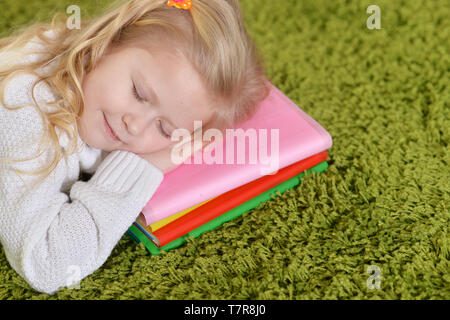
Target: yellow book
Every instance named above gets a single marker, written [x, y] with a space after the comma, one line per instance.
[161, 223]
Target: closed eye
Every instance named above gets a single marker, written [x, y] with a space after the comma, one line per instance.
[136, 94]
[162, 130]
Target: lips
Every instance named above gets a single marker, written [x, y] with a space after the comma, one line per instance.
[110, 131]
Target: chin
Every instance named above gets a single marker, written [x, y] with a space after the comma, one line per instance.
[94, 144]
[110, 149]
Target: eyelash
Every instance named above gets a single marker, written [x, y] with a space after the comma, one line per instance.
[162, 130]
[135, 93]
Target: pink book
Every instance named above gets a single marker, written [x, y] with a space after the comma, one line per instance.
[278, 135]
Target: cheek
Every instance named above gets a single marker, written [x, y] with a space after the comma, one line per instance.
[113, 97]
[151, 143]
[91, 96]
[97, 88]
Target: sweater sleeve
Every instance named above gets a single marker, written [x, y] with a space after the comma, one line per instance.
[50, 238]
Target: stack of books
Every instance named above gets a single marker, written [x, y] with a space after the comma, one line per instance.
[255, 161]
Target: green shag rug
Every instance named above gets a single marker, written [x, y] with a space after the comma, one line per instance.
[384, 201]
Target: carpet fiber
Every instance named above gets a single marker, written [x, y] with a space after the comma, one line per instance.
[384, 201]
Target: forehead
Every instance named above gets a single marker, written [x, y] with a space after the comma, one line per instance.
[182, 95]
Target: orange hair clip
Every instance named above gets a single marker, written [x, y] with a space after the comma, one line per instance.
[180, 4]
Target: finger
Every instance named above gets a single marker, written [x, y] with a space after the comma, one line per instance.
[186, 140]
[193, 143]
[207, 143]
[190, 148]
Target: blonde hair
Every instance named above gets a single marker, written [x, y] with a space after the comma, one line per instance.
[211, 35]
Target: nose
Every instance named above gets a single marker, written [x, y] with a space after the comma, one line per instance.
[136, 124]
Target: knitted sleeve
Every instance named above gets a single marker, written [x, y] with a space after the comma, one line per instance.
[52, 238]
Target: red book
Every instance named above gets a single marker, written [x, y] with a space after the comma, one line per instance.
[232, 199]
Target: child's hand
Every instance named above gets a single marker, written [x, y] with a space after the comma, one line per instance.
[162, 159]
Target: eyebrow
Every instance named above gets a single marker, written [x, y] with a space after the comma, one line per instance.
[151, 95]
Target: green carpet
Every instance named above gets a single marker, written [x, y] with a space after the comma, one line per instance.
[384, 200]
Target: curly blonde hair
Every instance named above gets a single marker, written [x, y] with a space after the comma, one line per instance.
[211, 35]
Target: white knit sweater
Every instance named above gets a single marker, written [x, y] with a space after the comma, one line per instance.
[66, 228]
